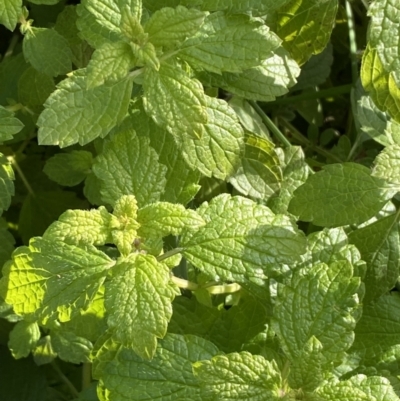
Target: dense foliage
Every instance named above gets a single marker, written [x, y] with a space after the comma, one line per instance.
[199, 200]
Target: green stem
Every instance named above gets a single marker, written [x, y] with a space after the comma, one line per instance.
[270, 125]
[213, 289]
[11, 46]
[21, 174]
[353, 42]
[330, 92]
[184, 284]
[301, 138]
[168, 254]
[86, 375]
[65, 379]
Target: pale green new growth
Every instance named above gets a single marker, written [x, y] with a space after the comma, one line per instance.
[139, 295]
[74, 114]
[171, 26]
[9, 125]
[161, 219]
[6, 183]
[47, 51]
[340, 194]
[23, 339]
[53, 280]
[217, 153]
[175, 101]
[82, 227]
[129, 166]
[239, 376]
[231, 44]
[242, 240]
[69, 169]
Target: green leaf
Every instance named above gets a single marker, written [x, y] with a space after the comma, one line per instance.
[73, 114]
[70, 347]
[378, 332]
[256, 7]
[231, 44]
[306, 372]
[145, 55]
[92, 189]
[295, 172]
[380, 83]
[125, 223]
[6, 183]
[175, 101]
[34, 87]
[228, 329]
[7, 242]
[109, 64]
[242, 240]
[320, 302]
[9, 125]
[10, 11]
[182, 183]
[128, 165]
[333, 197]
[82, 227]
[172, 380]
[53, 280]
[387, 166]
[171, 26]
[44, 352]
[69, 169]
[47, 51]
[377, 124]
[378, 244]
[239, 377]
[130, 25]
[271, 79]
[161, 219]
[305, 26]
[259, 175]
[360, 388]
[140, 295]
[217, 153]
[23, 339]
[93, 31]
[42, 208]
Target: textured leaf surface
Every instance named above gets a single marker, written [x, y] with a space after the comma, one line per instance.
[109, 64]
[161, 218]
[170, 371]
[231, 44]
[175, 101]
[81, 227]
[139, 295]
[340, 194]
[305, 26]
[256, 6]
[70, 347]
[217, 153]
[242, 240]
[129, 166]
[52, 279]
[6, 183]
[23, 339]
[34, 87]
[47, 51]
[73, 114]
[379, 244]
[387, 166]
[171, 26]
[182, 183]
[9, 125]
[10, 11]
[321, 303]
[360, 388]
[239, 377]
[259, 175]
[69, 169]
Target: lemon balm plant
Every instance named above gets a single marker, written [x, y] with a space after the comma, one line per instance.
[199, 200]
